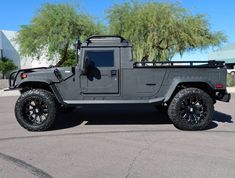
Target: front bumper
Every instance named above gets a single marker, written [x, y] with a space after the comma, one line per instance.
[12, 80]
[223, 96]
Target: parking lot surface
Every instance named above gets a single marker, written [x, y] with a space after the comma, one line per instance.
[117, 142]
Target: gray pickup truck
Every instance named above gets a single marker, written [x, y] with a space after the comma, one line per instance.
[106, 74]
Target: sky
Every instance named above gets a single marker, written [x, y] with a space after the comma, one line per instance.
[220, 13]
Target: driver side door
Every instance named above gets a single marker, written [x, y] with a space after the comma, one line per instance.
[103, 74]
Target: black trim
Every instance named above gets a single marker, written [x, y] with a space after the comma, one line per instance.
[93, 102]
[12, 83]
[88, 40]
[223, 96]
[57, 94]
[184, 64]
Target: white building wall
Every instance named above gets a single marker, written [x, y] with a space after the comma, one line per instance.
[11, 50]
[29, 62]
[0, 40]
[8, 47]
[1, 50]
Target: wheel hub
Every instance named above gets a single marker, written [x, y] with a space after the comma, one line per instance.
[35, 111]
[193, 110]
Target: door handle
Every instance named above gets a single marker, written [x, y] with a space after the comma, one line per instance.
[113, 72]
[150, 84]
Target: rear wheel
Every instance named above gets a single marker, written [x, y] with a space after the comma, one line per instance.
[191, 109]
[35, 110]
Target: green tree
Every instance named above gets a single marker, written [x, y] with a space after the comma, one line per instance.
[159, 30]
[71, 58]
[6, 65]
[53, 31]
[230, 80]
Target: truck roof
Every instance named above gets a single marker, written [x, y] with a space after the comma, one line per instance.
[106, 41]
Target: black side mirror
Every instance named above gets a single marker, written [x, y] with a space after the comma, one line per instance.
[77, 44]
[87, 62]
[77, 47]
[73, 70]
[86, 65]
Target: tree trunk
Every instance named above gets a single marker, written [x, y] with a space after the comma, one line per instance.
[64, 55]
[145, 58]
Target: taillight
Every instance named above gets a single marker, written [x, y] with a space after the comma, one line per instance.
[219, 86]
[23, 76]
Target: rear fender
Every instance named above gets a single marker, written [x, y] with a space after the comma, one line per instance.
[174, 87]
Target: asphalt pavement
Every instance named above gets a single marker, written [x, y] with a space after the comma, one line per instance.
[117, 142]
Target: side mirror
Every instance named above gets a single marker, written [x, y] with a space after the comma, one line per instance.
[77, 47]
[77, 44]
[86, 65]
[73, 70]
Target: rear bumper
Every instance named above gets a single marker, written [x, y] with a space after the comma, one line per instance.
[223, 96]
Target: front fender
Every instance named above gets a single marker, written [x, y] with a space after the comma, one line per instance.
[47, 85]
[28, 81]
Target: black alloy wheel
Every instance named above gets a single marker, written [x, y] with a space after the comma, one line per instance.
[191, 109]
[36, 109]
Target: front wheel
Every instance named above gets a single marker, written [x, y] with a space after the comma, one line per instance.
[191, 109]
[35, 110]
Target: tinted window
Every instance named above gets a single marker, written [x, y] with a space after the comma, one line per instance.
[101, 58]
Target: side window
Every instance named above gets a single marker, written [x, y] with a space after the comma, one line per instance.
[101, 58]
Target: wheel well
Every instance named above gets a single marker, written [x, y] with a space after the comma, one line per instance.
[200, 85]
[34, 85]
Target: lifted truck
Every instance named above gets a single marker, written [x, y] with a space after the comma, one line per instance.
[106, 74]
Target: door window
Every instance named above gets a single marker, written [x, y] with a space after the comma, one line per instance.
[101, 58]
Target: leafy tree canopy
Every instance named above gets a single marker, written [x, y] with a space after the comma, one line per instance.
[53, 31]
[158, 30]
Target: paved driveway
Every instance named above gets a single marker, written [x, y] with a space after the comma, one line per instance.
[107, 142]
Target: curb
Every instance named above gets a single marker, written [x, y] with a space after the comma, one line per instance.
[9, 93]
[231, 89]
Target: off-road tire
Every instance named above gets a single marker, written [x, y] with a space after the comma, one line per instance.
[177, 107]
[38, 95]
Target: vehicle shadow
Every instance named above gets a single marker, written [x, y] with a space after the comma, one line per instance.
[122, 115]
[111, 115]
[222, 117]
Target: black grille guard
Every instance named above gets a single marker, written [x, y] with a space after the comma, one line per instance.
[14, 74]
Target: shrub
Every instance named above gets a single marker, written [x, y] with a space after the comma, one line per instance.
[230, 80]
[6, 65]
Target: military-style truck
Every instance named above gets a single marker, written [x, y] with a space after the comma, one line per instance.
[106, 74]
